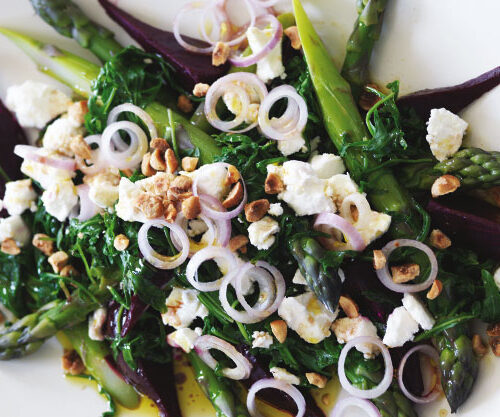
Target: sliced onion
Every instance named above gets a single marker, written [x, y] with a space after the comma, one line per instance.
[190, 7]
[352, 236]
[88, 208]
[98, 159]
[32, 153]
[203, 345]
[266, 383]
[367, 406]
[388, 374]
[206, 254]
[361, 203]
[195, 246]
[434, 393]
[265, 3]
[385, 276]
[156, 259]
[223, 226]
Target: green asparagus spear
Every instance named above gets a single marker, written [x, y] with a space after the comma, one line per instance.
[68, 19]
[360, 45]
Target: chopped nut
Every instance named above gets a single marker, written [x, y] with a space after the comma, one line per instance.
[44, 243]
[437, 287]
[58, 260]
[77, 112]
[478, 346]
[326, 399]
[189, 163]
[243, 249]
[379, 259]
[69, 271]
[80, 148]
[180, 185]
[445, 184]
[233, 175]
[238, 242]
[160, 144]
[439, 240]
[349, 307]
[256, 210]
[170, 213]
[367, 99]
[161, 183]
[171, 161]
[316, 379]
[9, 246]
[279, 329]
[150, 205]
[191, 207]
[234, 196]
[157, 160]
[185, 105]
[493, 330]
[273, 184]
[72, 363]
[220, 54]
[495, 345]
[146, 168]
[293, 34]
[200, 89]
[405, 273]
[121, 242]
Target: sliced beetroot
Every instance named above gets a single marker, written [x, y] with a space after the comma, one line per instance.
[192, 68]
[454, 98]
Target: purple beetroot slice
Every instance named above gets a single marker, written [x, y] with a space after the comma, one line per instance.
[192, 68]
[454, 98]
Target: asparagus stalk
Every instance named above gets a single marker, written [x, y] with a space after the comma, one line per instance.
[69, 20]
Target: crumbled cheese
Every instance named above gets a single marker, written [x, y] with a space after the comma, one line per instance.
[60, 198]
[183, 307]
[96, 322]
[346, 329]
[126, 208]
[292, 145]
[44, 174]
[211, 180]
[104, 187]
[13, 227]
[307, 316]
[283, 375]
[233, 103]
[418, 311]
[340, 186]
[445, 131]
[401, 328]
[275, 209]
[271, 66]
[261, 340]
[35, 103]
[496, 277]
[327, 165]
[59, 134]
[196, 227]
[183, 338]
[374, 227]
[298, 278]
[19, 196]
[261, 233]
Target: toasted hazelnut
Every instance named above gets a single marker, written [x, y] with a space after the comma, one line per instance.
[200, 89]
[191, 207]
[243, 249]
[184, 104]
[437, 287]
[495, 345]
[58, 260]
[293, 34]
[127, 172]
[405, 273]
[146, 168]
[150, 205]
[69, 271]
[256, 210]
[279, 329]
[77, 112]
[72, 363]
[160, 144]
[161, 183]
[171, 161]
[238, 242]
[273, 184]
[326, 399]
[121, 242]
[43, 243]
[349, 307]
[234, 196]
[181, 184]
[379, 259]
[233, 175]
[445, 184]
[316, 379]
[9, 246]
[439, 240]
[478, 346]
[170, 213]
[157, 160]
[367, 99]
[493, 330]
[220, 54]
[80, 148]
[189, 163]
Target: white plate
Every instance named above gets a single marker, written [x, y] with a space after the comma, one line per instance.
[425, 44]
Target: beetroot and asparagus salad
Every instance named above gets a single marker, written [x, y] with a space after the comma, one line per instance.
[239, 200]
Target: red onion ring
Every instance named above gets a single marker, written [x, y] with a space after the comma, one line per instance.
[88, 208]
[177, 26]
[385, 276]
[386, 381]
[183, 223]
[32, 153]
[360, 403]
[98, 159]
[156, 259]
[293, 392]
[265, 3]
[361, 203]
[203, 345]
[223, 227]
[434, 393]
[353, 237]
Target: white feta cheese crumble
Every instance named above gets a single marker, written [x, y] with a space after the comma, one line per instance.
[418, 311]
[183, 338]
[36, 103]
[340, 186]
[211, 180]
[293, 145]
[126, 209]
[104, 187]
[13, 227]
[261, 233]
[60, 198]
[44, 174]
[196, 227]
[307, 316]
[374, 227]
[346, 329]
[445, 131]
[298, 278]
[96, 321]
[496, 277]
[283, 375]
[275, 209]
[271, 66]
[183, 307]
[59, 134]
[327, 165]
[19, 196]
[261, 340]
[401, 328]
